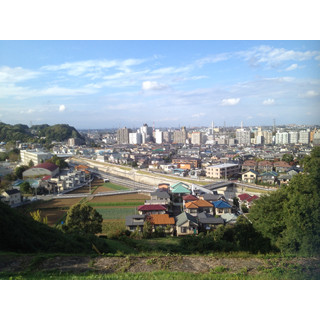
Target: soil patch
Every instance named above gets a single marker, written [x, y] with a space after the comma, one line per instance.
[121, 198]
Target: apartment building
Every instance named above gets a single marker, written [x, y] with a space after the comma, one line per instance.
[222, 171]
[123, 135]
[36, 156]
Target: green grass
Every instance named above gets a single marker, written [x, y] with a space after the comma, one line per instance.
[109, 227]
[115, 204]
[294, 273]
[114, 186]
[116, 213]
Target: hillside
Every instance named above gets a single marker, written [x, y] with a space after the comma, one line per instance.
[20, 233]
[57, 132]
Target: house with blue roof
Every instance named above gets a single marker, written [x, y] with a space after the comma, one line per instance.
[221, 207]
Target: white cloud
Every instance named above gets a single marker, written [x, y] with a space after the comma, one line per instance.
[311, 93]
[198, 115]
[275, 56]
[292, 67]
[62, 108]
[93, 67]
[152, 85]
[230, 102]
[268, 102]
[12, 75]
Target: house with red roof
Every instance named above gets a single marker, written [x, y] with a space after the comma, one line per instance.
[148, 209]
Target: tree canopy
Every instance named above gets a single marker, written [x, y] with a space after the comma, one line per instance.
[290, 216]
[83, 219]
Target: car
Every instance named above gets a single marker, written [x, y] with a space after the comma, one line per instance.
[106, 180]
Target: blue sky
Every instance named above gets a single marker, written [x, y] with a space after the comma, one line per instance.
[105, 84]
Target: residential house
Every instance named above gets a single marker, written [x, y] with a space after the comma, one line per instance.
[268, 177]
[251, 200]
[188, 198]
[212, 197]
[286, 177]
[197, 206]
[135, 222]
[221, 207]
[11, 197]
[160, 195]
[163, 221]
[250, 176]
[148, 209]
[265, 166]
[186, 224]
[229, 218]
[249, 165]
[208, 221]
[281, 166]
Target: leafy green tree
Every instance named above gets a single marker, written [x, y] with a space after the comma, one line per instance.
[19, 170]
[36, 215]
[25, 187]
[147, 228]
[244, 208]
[290, 216]
[236, 202]
[31, 164]
[287, 157]
[83, 219]
[58, 162]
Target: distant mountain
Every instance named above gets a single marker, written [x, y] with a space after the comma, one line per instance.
[57, 132]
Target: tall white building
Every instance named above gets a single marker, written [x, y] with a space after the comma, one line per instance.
[267, 135]
[135, 138]
[293, 137]
[158, 136]
[304, 137]
[146, 133]
[243, 136]
[196, 138]
[282, 138]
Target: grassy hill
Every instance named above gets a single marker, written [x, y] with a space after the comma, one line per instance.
[20, 233]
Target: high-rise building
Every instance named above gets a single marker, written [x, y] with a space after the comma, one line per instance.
[282, 138]
[180, 136]
[267, 135]
[304, 137]
[123, 135]
[196, 138]
[135, 138]
[293, 137]
[167, 136]
[158, 136]
[243, 136]
[146, 133]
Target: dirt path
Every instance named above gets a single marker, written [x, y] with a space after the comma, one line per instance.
[134, 264]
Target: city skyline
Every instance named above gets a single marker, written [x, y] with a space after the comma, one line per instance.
[112, 84]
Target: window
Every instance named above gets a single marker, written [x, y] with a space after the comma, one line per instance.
[183, 230]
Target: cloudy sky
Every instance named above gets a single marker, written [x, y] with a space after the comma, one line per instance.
[110, 84]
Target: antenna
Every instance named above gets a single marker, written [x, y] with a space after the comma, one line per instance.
[274, 124]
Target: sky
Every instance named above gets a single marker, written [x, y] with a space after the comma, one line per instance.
[110, 84]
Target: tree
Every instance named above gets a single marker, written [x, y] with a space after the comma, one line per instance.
[236, 202]
[25, 187]
[19, 170]
[36, 215]
[287, 157]
[83, 219]
[290, 216]
[31, 164]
